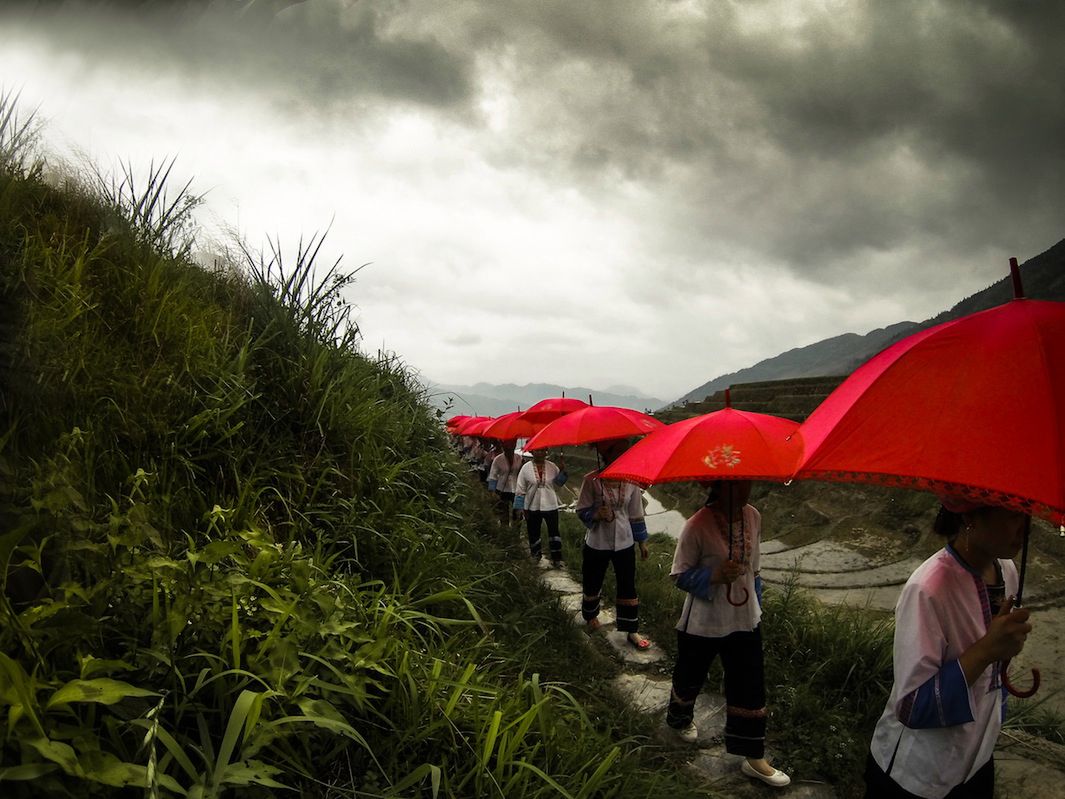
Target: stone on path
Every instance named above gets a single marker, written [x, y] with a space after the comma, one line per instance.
[561, 582]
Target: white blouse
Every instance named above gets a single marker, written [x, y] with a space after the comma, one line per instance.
[505, 474]
[537, 486]
[626, 502]
[704, 543]
[936, 730]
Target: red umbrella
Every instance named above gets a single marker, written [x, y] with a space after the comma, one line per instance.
[593, 423]
[511, 426]
[974, 407]
[723, 445]
[474, 426]
[455, 422]
[548, 410]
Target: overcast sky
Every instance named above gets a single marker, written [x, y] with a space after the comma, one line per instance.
[588, 192]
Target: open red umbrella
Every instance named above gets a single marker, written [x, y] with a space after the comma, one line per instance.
[724, 445]
[974, 407]
[547, 410]
[474, 426]
[455, 422]
[511, 426]
[593, 423]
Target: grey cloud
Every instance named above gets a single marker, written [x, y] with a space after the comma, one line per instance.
[314, 56]
[871, 127]
[791, 141]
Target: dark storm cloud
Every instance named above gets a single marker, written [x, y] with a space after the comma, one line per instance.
[316, 55]
[813, 134]
[862, 126]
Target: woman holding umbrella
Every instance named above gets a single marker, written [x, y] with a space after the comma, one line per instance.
[535, 497]
[503, 479]
[613, 513]
[716, 563]
[954, 627]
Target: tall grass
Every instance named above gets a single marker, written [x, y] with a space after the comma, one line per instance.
[237, 554]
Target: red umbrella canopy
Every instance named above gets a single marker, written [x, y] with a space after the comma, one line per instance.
[593, 423]
[455, 422]
[511, 426]
[973, 407]
[474, 425]
[548, 410]
[723, 445]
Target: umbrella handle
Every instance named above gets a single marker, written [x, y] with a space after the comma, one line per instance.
[1016, 691]
[728, 596]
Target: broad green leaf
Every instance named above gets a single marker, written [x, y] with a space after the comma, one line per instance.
[91, 666]
[103, 690]
[27, 771]
[320, 708]
[251, 772]
[15, 681]
[218, 550]
[57, 752]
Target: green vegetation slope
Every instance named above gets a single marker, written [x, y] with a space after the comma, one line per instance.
[236, 555]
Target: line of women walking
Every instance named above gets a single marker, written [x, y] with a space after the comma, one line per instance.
[955, 629]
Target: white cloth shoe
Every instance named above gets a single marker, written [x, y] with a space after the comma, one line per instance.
[689, 734]
[778, 779]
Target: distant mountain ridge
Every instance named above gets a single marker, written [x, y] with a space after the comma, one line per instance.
[490, 399]
[1043, 277]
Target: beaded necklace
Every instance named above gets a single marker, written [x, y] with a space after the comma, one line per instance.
[728, 526]
[540, 468]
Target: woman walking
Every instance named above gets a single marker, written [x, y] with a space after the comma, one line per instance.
[613, 513]
[535, 497]
[503, 479]
[716, 563]
[954, 626]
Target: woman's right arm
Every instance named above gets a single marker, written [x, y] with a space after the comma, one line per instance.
[688, 573]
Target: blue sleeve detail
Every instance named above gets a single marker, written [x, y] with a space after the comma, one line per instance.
[519, 502]
[696, 581]
[561, 478]
[639, 530]
[492, 485]
[587, 515]
[943, 701]
[758, 588]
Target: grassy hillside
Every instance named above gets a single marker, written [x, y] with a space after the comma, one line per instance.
[237, 556]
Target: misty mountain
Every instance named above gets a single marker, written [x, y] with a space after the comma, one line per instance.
[1043, 277]
[490, 399]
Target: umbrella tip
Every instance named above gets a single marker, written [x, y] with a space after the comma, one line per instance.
[590, 400]
[728, 397]
[1015, 273]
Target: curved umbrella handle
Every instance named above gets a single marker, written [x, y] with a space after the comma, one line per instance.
[728, 596]
[1016, 691]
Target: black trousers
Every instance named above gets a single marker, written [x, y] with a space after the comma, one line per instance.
[879, 785]
[741, 657]
[533, 522]
[505, 502]
[593, 572]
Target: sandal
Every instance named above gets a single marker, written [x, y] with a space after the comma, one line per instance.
[593, 624]
[639, 641]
